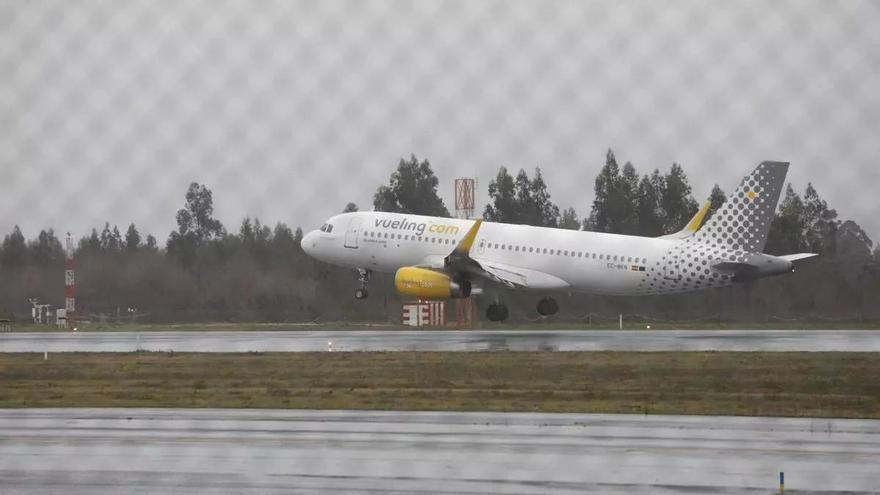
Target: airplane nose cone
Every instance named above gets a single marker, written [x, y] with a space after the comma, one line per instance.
[309, 243]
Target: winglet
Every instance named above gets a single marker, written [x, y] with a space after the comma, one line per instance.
[693, 225]
[697, 221]
[464, 247]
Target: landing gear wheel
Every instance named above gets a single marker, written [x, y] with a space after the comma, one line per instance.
[497, 312]
[364, 277]
[547, 306]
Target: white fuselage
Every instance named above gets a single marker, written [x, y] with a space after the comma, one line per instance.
[564, 259]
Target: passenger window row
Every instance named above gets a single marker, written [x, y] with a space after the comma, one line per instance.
[563, 252]
[508, 247]
[408, 237]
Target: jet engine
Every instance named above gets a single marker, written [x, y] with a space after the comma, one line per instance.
[429, 284]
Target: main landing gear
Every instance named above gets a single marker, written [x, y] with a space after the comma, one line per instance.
[497, 312]
[547, 306]
[364, 277]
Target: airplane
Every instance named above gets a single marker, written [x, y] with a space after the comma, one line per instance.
[449, 258]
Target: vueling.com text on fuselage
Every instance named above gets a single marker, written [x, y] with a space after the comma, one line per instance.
[418, 227]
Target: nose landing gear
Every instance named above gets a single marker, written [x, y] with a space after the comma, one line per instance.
[364, 277]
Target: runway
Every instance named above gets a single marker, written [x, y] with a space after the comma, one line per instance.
[95, 451]
[430, 340]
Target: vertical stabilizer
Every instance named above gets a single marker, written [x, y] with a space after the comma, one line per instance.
[743, 221]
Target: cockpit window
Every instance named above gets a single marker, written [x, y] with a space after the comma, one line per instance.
[327, 228]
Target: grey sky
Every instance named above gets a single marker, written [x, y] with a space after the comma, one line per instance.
[288, 110]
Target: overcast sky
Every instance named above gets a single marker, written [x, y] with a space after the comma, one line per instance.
[288, 110]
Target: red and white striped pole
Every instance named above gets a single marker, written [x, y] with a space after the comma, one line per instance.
[69, 283]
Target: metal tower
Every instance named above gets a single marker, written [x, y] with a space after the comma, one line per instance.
[465, 188]
[69, 283]
[464, 197]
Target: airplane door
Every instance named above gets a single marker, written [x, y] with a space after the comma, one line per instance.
[351, 233]
[672, 266]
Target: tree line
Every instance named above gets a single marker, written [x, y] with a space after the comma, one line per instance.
[258, 272]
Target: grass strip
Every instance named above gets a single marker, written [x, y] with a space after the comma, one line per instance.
[833, 384]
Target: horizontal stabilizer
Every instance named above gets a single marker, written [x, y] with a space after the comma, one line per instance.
[755, 265]
[798, 256]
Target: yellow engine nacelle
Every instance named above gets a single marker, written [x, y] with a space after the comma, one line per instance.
[428, 284]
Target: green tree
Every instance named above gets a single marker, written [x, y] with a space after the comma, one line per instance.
[569, 219]
[606, 212]
[545, 213]
[90, 243]
[412, 188]
[787, 230]
[46, 249]
[820, 222]
[648, 212]
[116, 239]
[853, 263]
[521, 200]
[716, 198]
[503, 205]
[677, 202]
[350, 208]
[616, 206]
[196, 225]
[652, 206]
[853, 244]
[526, 209]
[151, 243]
[283, 241]
[259, 245]
[246, 231]
[196, 217]
[628, 191]
[256, 239]
[111, 239]
[132, 238]
[285, 248]
[14, 249]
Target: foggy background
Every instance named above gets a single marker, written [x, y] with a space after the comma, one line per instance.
[289, 110]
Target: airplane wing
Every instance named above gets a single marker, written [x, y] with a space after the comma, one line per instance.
[507, 276]
[521, 278]
[514, 277]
